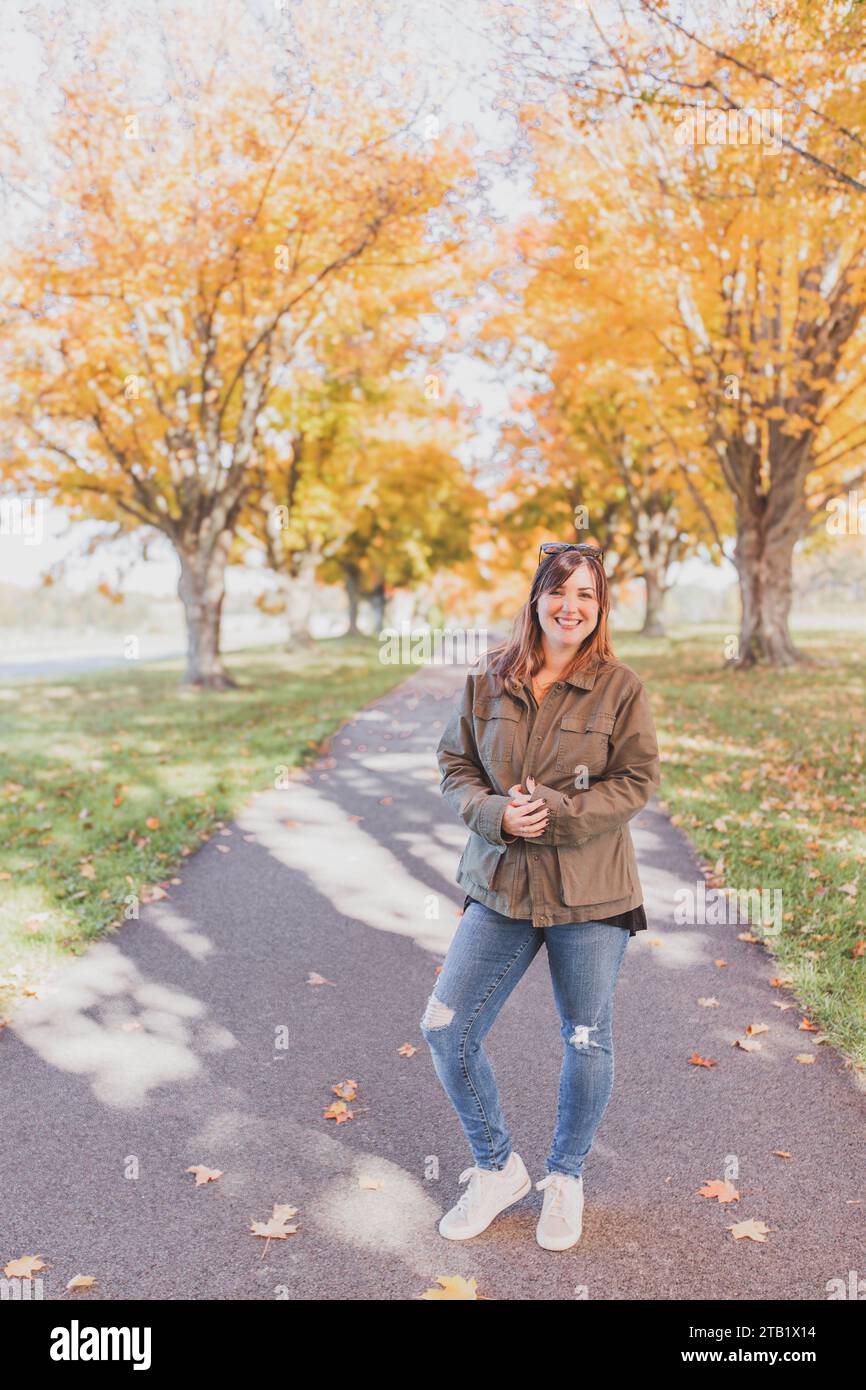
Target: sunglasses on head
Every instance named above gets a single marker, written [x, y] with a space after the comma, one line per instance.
[548, 548]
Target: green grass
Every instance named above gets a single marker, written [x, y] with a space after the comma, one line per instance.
[89, 760]
[780, 756]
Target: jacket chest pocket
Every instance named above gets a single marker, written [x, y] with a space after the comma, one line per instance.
[583, 740]
[496, 722]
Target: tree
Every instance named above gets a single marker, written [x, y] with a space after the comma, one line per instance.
[746, 270]
[182, 260]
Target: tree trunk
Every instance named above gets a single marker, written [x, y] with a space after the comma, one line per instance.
[353, 594]
[376, 599]
[764, 566]
[655, 592]
[300, 590]
[201, 588]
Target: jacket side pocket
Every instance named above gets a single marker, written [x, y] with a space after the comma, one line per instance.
[481, 860]
[598, 871]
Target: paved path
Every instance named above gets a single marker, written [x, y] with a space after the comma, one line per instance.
[156, 1051]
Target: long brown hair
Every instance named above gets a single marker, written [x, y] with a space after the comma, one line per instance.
[517, 659]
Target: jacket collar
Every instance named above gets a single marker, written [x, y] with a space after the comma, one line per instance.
[585, 679]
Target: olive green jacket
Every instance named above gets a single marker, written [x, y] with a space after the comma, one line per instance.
[592, 750]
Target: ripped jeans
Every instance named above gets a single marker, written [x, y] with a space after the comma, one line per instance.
[486, 960]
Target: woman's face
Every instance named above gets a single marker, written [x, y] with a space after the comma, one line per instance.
[569, 614]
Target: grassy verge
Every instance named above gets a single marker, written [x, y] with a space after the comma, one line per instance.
[112, 778]
[765, 773]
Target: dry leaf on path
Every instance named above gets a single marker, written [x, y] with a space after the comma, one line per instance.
[721, 1189]
[750, 1230]
[454, 1286]
[24, 1267]
[203, 1174]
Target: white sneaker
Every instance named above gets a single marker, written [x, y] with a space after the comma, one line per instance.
[561, 1221]
[489, 1192]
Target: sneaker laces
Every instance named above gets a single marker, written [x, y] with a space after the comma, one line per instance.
[558, 1182]
[472, 1194]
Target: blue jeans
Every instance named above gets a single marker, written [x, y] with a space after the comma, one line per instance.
[486, 960]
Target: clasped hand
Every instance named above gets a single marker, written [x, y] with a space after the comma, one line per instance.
[523, 816]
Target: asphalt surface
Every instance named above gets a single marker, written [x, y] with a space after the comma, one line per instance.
[192, 1037]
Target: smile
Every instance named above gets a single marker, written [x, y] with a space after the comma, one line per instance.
[568, 622]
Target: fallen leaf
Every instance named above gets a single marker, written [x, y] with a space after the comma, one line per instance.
[697, 1061]
[805, 1057]
[371, 1184]
[314, 979]
[24, 1267]
[284, 1212]
[203, 1174]
[709, 1003]
[750, 1230]
[746, 1045]
[81, 1281]
[152, 893]
[720, 1188]
[339, 1111]
[276, 1228]
[781, 1153]
[407, 1050]
[753, 1029]
[454, 1286]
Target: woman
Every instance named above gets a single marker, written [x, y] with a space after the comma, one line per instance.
[549, 754]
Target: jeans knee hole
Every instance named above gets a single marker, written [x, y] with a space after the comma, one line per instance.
[437, 1014]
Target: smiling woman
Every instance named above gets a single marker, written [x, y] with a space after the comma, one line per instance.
[549, 753]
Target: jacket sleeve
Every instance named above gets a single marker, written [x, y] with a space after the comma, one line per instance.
[464, 783]
[631, 776]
